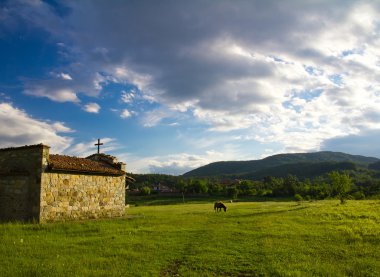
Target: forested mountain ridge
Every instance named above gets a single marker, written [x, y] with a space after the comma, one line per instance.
[319, 175]
[301, 170]
[277, 163]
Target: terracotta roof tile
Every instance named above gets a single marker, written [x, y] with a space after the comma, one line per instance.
[68, 163]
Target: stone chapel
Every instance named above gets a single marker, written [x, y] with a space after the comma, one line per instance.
[38, 186]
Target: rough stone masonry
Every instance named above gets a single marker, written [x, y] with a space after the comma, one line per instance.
[38, 186]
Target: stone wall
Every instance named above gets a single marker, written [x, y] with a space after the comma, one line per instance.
[20, 175]
[66, 196]
[14, 198]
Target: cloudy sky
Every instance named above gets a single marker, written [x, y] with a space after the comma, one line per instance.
[172, 85]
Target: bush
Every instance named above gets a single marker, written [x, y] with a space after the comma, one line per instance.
[145, 191]
[252, 192]
[298, 197]
[358, 195]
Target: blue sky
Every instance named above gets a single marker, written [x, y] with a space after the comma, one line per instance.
[169, 86]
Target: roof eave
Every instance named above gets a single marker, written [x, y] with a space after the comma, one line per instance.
[87, 172]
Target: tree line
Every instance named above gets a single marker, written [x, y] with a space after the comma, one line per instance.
[354, 184]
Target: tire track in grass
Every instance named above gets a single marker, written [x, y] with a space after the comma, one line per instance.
[199, 234]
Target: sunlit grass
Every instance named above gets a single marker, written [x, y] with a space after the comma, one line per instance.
[267, 238]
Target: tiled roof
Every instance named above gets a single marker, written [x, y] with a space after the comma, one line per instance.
[68, 163]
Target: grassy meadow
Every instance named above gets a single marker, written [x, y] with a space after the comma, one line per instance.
[251, 239]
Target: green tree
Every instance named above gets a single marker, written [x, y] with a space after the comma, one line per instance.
[290, 185]
[273, 184]
[341, 184]
[145, 190]
[214, 189]
[201, 186]
[246, 188]
[232, 192]
[181, 185]
[197, 186]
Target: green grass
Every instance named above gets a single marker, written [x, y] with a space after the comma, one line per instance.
[252, 239]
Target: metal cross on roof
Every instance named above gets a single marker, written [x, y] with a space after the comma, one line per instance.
[98, 144]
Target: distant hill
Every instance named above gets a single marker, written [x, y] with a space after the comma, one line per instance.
[310, 164]
[301, 170]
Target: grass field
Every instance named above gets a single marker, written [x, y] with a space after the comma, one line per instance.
[251, 239]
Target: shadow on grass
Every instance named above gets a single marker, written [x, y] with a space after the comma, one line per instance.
[271, 212]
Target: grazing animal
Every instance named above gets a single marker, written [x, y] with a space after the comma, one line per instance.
[218, 206]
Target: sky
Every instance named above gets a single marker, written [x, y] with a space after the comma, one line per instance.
[169, 86]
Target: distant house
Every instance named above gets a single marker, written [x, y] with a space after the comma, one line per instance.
[36, 185]
[162, 188]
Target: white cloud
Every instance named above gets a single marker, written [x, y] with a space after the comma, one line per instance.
[175, 164]
[297, 74]
[211, 149]
[125, 113]
[128, 97]
[92, 108]
[65, 76]
[18, 129]
[61, 128]
[141, 81]
[154, 117]
[58, 95]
